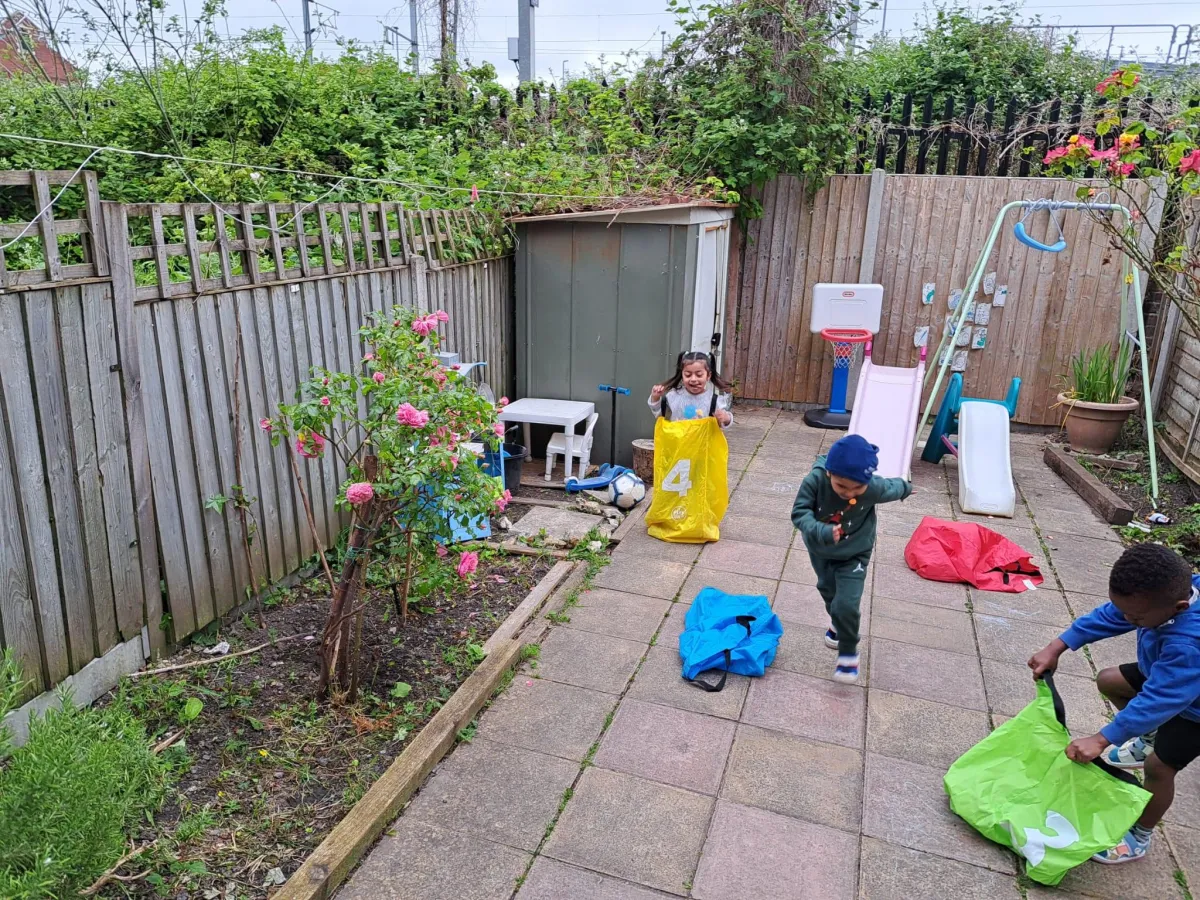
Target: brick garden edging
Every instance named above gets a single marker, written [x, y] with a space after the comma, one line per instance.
[327, 866]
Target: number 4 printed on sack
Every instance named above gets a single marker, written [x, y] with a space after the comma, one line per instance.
[679, 479]
[1062, 835]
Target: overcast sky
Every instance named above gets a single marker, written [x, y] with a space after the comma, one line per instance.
[573, 33]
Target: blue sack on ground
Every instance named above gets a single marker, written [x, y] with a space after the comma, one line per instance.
[728, 632]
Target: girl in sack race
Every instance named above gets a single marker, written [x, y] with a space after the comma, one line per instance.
[691, 456]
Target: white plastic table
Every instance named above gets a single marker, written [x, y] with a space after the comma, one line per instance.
[565, 414]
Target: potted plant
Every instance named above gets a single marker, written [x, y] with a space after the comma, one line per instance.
[1095, 398]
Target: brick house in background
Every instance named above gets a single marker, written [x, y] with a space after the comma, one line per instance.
[19, 35]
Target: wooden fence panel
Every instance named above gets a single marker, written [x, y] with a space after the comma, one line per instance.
[931, 229]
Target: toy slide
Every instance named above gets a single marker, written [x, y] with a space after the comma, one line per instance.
[985, 483]
[885, 412]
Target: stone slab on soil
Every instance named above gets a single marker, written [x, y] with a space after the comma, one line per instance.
[911, 728]
[634, 829]
[803, 779]
[618, 614]
[595, 661]
[504, 794]
[558, 524]
[908, 806]
[755, 853]
[660, 681]
[807, 707]
[890, 872]
[671, 746]
[417, 859]
[552, 880]
[543, 715]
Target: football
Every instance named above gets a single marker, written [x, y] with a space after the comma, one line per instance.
[626, 491]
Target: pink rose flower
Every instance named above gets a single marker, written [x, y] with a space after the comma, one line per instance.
[454, 462]
[409, 415]
[324, 401]
[1190, 163]
[310, 445]
[264, 424]
[440, 377]
[502, 402]
[368, 357]
[502, 503]
[467, 564]
[379, 377]
[442, 552]
[499, 429]
[1055, 154]
[361, 492]
[441, 315]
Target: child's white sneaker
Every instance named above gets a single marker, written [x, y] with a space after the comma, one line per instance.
[846, 670]
[831, 639]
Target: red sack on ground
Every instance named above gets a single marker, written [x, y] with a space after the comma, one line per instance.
[966, 551]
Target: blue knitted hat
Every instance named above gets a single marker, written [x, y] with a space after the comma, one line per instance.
[853, 457]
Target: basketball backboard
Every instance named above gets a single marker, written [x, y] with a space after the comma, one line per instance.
[846, 306]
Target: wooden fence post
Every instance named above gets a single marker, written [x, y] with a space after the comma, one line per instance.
[116, 231]
[866, 269]
[418, 269]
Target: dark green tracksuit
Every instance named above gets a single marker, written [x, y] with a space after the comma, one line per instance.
[841, 567]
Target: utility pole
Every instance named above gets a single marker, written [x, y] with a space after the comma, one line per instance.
[308, 29]
[444, 30]
[527, 66]
[395, 37]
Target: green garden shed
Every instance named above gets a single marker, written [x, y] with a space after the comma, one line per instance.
[612, 297]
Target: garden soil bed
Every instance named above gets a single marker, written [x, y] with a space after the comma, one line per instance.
[265, 771]
[1178, 498]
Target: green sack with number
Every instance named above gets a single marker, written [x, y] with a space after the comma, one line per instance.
[691, 481]
[1018, 788]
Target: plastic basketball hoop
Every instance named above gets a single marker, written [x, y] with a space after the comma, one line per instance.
[846, 343]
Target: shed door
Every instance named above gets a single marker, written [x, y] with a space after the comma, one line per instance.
[709, 310]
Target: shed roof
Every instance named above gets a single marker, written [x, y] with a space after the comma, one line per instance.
[694, 212]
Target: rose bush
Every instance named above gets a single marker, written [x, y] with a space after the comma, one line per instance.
[1135, 139]
[397, 427]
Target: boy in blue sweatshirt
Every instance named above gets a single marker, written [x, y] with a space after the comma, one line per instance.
[835, 514]
[1151, 589]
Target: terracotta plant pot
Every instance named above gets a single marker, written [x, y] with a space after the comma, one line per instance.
[1095, 427]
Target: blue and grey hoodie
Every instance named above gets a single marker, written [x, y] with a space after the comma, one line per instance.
[1169, 657]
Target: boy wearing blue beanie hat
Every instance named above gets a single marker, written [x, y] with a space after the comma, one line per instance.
[835, 514]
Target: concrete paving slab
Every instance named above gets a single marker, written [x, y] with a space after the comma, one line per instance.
[755, 853]
[1185, 810]
[538, 714]
[1082, 578]
[1113, 651]
[1078, 519]
[908, 807]
[800, 604]
[759, 560]
[807, 707]
[729, 582]
[802, 650]
[673, 626]
[639, 545]
[932, 733]
[1044, 607]
[798, 568]
[659, 681]
[417, 859]
[635, 829]
[587, 660]
[1152, 878]
[890, 872]
[773, 484]
[893, 520]
[902, 583]
[1185, 842]
[1014, 641]
[562, 524]
[769, 506]
[803, 779]
[645, 577]
[924, 626]
[504, 794]
[1010, 689]
[1082, 604]
[936, 675]
[772, 460]
[754, 529]
[667, 745]
[552, 880]
[618, 614]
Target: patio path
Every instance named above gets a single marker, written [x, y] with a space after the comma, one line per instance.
[601, 775]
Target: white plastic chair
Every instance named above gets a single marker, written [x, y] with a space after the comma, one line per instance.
[571, 447]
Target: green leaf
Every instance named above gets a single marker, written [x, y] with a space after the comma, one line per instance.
[191, 710]
[401, 689]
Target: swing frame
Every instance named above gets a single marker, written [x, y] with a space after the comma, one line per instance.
[1031, 206]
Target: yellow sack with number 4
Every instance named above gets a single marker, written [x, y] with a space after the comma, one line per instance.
[691, 481]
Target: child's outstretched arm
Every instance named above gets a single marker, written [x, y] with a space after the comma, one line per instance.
[804, 514]
[655, 401]
[1102, 622]
[893, 489]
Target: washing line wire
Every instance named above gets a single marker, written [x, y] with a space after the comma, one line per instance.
[41, 212]
[301, 172]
